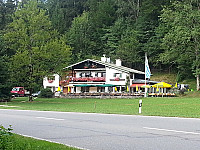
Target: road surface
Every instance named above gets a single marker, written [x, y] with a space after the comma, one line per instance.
[106, 131]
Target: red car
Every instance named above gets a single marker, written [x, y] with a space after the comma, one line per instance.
[19, 91]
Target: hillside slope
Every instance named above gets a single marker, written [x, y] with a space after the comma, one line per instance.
[164, 77]
[171, 79]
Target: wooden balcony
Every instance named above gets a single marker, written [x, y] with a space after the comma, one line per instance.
[85, 79]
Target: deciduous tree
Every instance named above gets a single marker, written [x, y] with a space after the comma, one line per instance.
[5, 85]
[38, 49]
[181, 41]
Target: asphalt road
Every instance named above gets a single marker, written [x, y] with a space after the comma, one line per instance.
[106, 132]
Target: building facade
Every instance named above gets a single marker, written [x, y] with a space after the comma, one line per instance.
[94, 76]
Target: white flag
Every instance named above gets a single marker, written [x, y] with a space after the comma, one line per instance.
[147, 69]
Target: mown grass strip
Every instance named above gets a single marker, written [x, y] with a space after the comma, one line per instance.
[153, 106]
[18, 142]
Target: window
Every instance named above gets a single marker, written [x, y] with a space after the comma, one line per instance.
[100, 89]
[117, 75]
[99, 74]
[51, 77]
[87, 74]
[110, 89]
[84, 89]
[104, 74]
[15, 89]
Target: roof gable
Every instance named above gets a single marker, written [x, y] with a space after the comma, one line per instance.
[88, 63]
[109, 65]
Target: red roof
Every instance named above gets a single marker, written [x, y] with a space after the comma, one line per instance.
[137, 84]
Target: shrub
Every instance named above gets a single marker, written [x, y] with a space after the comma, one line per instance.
[6, 138]
[5, 85]
[182, 91]
[46, 93]
[5, 94]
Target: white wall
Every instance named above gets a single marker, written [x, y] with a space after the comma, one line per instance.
[118, 62]
[110, 75]
[78, 89]
[53, 85]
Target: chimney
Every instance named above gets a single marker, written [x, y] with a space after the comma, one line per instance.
[103, 58]
[108, 60]
[118, 62]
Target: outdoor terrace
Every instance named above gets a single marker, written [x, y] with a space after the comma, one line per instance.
[115, 95]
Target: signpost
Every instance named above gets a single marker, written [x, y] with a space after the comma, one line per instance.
[140, 106]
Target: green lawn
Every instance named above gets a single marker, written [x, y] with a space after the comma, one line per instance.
[153, 106]
[18, 142]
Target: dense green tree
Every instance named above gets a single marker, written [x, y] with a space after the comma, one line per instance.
[148, 20]
[87, 30]
[111, 37]
[128, 9]
[128, 50]
[103, 14]
[123, 29]
[110, 41]
[2, 14]
[181, 41]
[79, 38]
[7, 9]
[5, 85]
[62, 12]
[101, 18]
[38, 49]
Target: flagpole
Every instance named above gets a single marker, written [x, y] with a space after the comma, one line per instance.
[145, 93]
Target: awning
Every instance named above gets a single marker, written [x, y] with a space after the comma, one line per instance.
[137, 84]
[91, 85]
[162, 85]
[105, 85]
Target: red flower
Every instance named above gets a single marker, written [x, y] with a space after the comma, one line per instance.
[117, 79]
[50, 81]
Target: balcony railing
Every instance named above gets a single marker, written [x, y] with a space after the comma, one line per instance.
[85, 79]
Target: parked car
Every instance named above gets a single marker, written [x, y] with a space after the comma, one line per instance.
[36, 94]
[19, 91]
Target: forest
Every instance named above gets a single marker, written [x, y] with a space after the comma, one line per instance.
[40, 37]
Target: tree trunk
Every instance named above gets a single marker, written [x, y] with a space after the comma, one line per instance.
[197, 68]
[30, 98]
[30, 72]
[30, 82]
[138, 8]
[197, 82]
[197, 62]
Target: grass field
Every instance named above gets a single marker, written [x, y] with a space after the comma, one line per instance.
[153, 106]
[18, 142]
